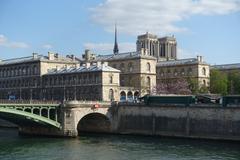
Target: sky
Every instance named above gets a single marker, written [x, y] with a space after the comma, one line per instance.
[210, 28]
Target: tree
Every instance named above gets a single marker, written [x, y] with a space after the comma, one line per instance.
[177, 86]
[218, 82]
[234, 82]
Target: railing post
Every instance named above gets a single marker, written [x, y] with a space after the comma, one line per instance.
[56, 117]
[48, 113]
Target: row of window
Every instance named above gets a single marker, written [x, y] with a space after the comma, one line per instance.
[30, 82]
[177, 72]
[130, 66]
[72, 80]
[19, 71]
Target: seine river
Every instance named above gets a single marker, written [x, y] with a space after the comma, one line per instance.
[112, 147]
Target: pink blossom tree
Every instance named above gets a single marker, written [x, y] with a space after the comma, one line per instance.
[177, 86]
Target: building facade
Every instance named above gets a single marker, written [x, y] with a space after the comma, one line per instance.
[138, 71]
[192, 68]
[117, 76]
[54, 77]
[164, 48]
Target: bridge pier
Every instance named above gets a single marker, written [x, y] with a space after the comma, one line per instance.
[83, 117]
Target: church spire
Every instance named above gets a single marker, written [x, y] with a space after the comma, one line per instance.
[115, 49]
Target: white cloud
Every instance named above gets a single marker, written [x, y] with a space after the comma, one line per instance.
[107, 48]
[11, 44]
[47, 46]
[156, 16]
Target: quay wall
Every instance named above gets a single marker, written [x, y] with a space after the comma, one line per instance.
[179, 121]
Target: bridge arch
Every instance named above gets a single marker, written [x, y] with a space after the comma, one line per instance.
[95, 123]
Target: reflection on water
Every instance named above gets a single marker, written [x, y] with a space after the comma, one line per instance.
[112, 147]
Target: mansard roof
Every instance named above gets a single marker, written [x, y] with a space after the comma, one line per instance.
[92, 68]
[179, 62]
[22, 59]
[35, 58]
[121, 56]
[226, 66]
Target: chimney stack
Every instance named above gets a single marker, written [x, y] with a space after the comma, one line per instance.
[51, 56]
[35, 55]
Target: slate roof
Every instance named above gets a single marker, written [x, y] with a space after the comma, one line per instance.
[126, 55]
[93, 68]
[179, 62]
[226, 66]
[22, 59]
[31, 59]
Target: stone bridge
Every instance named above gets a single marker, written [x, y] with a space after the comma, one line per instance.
[68, 119]
[86, 117]
[73, 118]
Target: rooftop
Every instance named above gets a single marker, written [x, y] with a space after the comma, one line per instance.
[179, 62]
[226, 66]
[84, 68]
[127, 55]
[36, 57]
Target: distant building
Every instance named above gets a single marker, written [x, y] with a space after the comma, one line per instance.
[194, 68]
[227, 67]
[54, 77]
[116, 76]
[163, 49]
[138, 71]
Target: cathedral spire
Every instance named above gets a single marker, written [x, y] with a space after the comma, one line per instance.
[115, 49]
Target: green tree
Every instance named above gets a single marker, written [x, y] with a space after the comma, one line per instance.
[218, 82]
[234, 82]
[193, 85]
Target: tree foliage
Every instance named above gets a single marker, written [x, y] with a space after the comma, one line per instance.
[178, 86]
[234, 82]
[218, 82]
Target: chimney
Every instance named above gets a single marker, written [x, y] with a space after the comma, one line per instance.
[35, 55]
[73, 57]
[199, 58]
[88, 65]
[87, 54]
[50, 56]
[99, 63]
[105, 63]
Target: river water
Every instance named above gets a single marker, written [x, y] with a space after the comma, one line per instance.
[112, 147]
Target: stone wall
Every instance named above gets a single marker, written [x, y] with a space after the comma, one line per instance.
[179, 121]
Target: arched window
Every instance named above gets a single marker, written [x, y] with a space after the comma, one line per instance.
[115, 66]
[130, 67]
[189, 71]
[175, 72]
[148, 81]
[183, 71]
[123, 96]
[111, 95]
[148, 67]
[204, 71]
[111, 79]
[122, 67]
[130, 96]
[204, 83]
[168, 71]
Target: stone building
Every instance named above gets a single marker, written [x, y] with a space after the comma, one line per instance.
[54, 77]
[138, 71]
[21, 78]
[123, 76]
[164, 48]
[194, 68]
[227, 67]
[88, 82]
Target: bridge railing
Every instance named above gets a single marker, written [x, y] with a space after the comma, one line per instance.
[5, 101]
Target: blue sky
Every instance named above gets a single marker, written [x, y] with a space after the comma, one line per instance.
[210, 28]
